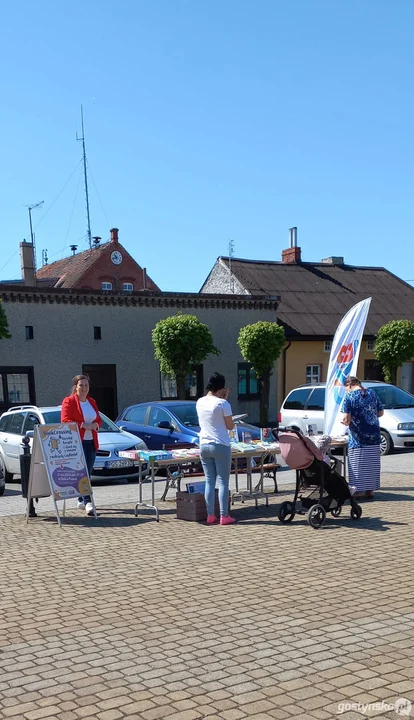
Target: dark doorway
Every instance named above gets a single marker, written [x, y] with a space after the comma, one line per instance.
[373, 370]
[103, 387]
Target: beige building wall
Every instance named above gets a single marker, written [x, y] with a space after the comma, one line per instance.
[303, 353]
[64, 340]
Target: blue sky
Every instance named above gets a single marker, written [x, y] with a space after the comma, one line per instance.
[208, 120]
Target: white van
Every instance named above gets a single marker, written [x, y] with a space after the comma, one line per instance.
[305, 405]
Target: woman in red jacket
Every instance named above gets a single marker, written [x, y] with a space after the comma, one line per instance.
[83, 410]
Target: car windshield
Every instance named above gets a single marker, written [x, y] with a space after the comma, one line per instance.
[108, 425]
[52, 417]
[186, 414]
[394, 398]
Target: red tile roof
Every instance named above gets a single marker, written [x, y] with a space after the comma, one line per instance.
[67, 272]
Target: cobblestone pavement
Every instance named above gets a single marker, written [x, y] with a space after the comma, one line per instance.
[124, 618]
[118, 493]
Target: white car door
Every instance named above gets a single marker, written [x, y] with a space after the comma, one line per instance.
[11, 442]
[315, 409]
[293, 412]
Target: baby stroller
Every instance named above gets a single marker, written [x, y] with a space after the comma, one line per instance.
[328, 490]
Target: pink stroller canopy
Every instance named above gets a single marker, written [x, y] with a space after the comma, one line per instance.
[298, 452]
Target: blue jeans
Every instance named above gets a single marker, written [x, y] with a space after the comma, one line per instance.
[90, 455]
[216, 462]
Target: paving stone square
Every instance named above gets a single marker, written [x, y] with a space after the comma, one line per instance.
[123, 617]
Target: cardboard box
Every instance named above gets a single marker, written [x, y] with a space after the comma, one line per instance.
[192, 506]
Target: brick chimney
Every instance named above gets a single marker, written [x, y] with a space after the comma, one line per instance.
[27, 263]
[293, 254]
[114, 235]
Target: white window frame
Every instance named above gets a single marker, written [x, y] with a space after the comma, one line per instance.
[106, 285]
[370, 345]
[127, 287]
[327, 346]
[313, 374]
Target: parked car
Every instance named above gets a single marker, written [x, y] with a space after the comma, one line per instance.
[305, 405]
[168, 422]
[17, 421]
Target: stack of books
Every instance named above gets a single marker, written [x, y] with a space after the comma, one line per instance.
[154, 455]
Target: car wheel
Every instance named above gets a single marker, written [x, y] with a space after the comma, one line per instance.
[386, 444]
[8, 477]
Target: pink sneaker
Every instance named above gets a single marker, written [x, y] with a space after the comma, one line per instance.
[211, 519]
[227, 520]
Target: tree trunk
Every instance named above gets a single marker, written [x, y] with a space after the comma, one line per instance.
[390, 374]
[180, 380]
[264, 385]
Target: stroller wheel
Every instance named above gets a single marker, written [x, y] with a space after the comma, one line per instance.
[356, 511]
[336, 511]
[286, 512]
[316, 516]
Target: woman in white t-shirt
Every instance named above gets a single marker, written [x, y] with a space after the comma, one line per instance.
[80, 408]
[215, 420]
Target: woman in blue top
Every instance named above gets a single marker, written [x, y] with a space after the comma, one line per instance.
[362, 408]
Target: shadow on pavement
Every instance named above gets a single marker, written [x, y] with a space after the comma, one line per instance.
[388, 495]
[100, 523]
[9, 492]
[372, 523]
[269, 516]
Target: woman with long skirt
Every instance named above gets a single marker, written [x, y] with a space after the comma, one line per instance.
[362, 408]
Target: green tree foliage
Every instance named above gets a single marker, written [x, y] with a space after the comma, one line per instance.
[181, 341]
[4, 326]
[394, 346]
[260, 345]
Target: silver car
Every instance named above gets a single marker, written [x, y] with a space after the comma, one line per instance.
[16, 422]
[305, 405]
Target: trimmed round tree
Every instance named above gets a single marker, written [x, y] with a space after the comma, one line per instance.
[4, 326]
[261, 344]
[182, 341]
[394, 346]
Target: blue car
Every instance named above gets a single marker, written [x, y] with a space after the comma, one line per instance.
[168, 422]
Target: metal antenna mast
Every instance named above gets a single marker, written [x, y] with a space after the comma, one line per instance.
[231, 256]
[82, 139]
[32, 235]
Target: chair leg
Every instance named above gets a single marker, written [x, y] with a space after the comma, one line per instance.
[167, 487]
[275, 481]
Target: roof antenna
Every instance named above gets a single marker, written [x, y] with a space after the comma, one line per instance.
[32, 235]
[231, 256]
[82, 140]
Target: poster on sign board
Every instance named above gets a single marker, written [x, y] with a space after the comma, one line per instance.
[58, 466]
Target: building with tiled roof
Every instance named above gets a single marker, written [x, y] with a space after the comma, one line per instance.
[314, 297]
[106, 267]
